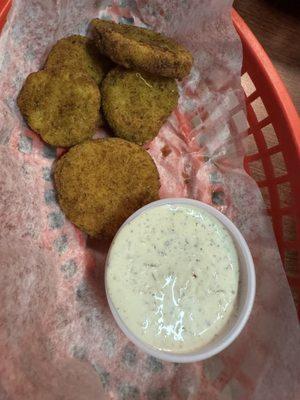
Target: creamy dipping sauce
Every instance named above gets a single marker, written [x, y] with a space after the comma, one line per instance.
[172, 276]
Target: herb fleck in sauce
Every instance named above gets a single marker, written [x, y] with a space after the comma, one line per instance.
[173, 276]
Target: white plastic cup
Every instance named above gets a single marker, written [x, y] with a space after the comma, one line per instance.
[246, 292]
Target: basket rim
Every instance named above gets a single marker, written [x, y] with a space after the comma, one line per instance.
[4, 8]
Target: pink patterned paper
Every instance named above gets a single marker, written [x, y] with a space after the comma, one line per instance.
[58, 339]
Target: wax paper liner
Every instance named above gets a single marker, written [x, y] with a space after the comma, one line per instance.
[58, 339]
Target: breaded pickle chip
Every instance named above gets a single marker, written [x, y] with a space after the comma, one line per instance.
[62, 106]
[136, 104]
[101, 182]
[141, 49]
[78, 53]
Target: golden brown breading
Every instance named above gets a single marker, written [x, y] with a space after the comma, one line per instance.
[141, 49]
[136, 104]
[78, 53]
[100, 183]
[62, 106]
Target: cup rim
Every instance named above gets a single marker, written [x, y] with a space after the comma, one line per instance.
[244, 312]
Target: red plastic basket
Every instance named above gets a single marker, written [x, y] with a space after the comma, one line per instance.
[273, 157]
[274, 144]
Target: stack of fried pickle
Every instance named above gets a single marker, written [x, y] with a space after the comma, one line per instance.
[101, 182]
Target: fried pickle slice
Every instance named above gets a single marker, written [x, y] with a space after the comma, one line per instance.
[78, 53]
[101, 182]
[136, 104]
[141, 49]
[62, 106]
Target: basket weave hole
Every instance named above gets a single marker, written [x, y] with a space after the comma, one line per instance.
[291, 258]
[296, 297]
[270, 136]
[247, 84]
[278, 164]
[256, 170]
[285, 194]
[289, 228]
[250, 145]
[259, 109]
